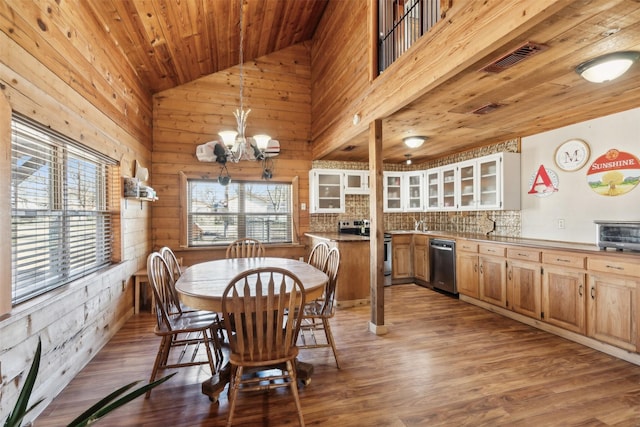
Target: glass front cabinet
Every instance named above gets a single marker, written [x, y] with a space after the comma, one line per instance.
[356, 182]
[490, 183]
[392, 191]
[441, 188]
[327, 191]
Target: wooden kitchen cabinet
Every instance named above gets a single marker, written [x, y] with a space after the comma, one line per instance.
[492, 279]
[564, 289]
[467, 268]
[401, 271]
[524, 281]
[421, 258]
[326, 191]
[612, 302]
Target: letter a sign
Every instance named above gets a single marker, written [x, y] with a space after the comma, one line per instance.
[543, 183]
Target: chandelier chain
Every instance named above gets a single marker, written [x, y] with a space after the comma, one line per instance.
[241, 59]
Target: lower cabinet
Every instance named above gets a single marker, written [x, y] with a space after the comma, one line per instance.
[524, 288]
[563, 298]
[492, 275]
[401, 271]
[467, 272]
[421, 258]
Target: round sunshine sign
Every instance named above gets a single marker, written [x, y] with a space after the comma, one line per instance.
[614, 173]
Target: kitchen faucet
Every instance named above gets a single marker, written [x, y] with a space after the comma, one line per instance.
[418, 223]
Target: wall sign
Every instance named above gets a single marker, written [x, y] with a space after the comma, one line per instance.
[571, 155]
[543, 183]
[614, 173]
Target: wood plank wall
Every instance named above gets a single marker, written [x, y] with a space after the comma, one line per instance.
[60, 68]
[277, 89]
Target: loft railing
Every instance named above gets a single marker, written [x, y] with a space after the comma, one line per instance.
[401, 23]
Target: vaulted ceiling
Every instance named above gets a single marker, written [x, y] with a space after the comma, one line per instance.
[171, 42]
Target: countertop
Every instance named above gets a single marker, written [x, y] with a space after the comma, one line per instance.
[535, 243]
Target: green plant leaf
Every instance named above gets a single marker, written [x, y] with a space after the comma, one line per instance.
[103, 407]
[20, 409]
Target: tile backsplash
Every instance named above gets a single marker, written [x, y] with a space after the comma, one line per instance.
[507, 223]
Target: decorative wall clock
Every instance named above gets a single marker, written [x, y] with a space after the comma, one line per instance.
[571, 155]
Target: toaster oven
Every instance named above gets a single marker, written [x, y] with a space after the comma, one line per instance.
[618, 235]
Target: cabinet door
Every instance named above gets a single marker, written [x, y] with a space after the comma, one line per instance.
[448, 189]
[488, 183]
[327, 191]
[402, 260]
[392, 192]
[433, 183]
[421, 257]
[563, 298]
[356, 182]
[467, 274]
[414, 196]
[492, 280]
[612, 315]
[524, 288]
[466, 185]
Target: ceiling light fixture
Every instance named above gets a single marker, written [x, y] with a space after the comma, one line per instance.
[408, 157]
[414, 141]
[236, 145]
[607, 67]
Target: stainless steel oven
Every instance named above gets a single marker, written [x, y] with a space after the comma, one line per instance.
[387, 254]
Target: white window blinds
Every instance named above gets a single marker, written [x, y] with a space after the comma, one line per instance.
[60, 201]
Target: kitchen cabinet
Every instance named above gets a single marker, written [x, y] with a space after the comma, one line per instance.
[482, 184]
[524, 282]
[492, 274]
[612, 302]
[421, 258]
[563, 290]
[392, 191]
[356, 182]
[402, 271]
[440, 189]
[403, 191]
[467, 268]
[326, 188]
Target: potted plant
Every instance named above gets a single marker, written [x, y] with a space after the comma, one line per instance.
[91, 415]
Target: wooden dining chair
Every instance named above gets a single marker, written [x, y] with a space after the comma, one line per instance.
[245, 248]
[175, 265]
[263, 311]
[316, 314]
[179, 329]
[318, 255]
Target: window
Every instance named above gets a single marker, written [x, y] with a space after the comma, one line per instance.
[219, 214]
[60, 202]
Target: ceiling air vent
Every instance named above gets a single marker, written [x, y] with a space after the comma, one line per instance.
[512, 58]
[349, 148]
[487, 108]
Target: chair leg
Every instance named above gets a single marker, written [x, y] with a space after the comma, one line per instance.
[233, 392]
[329, 335]
[207, 344]
[293, 384]
[159, 357]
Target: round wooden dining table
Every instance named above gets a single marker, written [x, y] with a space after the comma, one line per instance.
[201, 286]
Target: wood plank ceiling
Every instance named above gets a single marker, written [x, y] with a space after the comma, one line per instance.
[170, 43]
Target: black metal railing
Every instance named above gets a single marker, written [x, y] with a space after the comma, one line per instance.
[401, 23]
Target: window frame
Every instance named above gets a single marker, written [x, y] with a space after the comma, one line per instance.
[184, 209]
[102, 210]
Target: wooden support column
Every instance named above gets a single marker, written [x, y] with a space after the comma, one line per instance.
[376, 248]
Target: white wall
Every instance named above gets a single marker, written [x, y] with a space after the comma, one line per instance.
[574, 201]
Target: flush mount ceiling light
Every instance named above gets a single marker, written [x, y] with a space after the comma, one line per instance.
[607, 67]
[414, 141]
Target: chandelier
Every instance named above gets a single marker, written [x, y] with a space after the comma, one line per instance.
[235, 144]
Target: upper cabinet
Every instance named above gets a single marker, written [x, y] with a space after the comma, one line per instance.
[486, 183]
[404, 191]
[356, 182]
[326, 188]
[441, 188]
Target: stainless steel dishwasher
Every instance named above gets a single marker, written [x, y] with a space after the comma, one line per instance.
[442, 257]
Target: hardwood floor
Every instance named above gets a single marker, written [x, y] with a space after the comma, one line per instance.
[443, 363]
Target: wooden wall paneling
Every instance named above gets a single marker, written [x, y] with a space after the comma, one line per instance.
[5, 194]
[277, 90]
[474, 30]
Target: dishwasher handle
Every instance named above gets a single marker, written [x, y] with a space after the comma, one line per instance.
[442, 245]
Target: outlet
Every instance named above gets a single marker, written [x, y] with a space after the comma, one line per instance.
[301, 259]
[561, 224]
[303, 206]
[124, 285]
